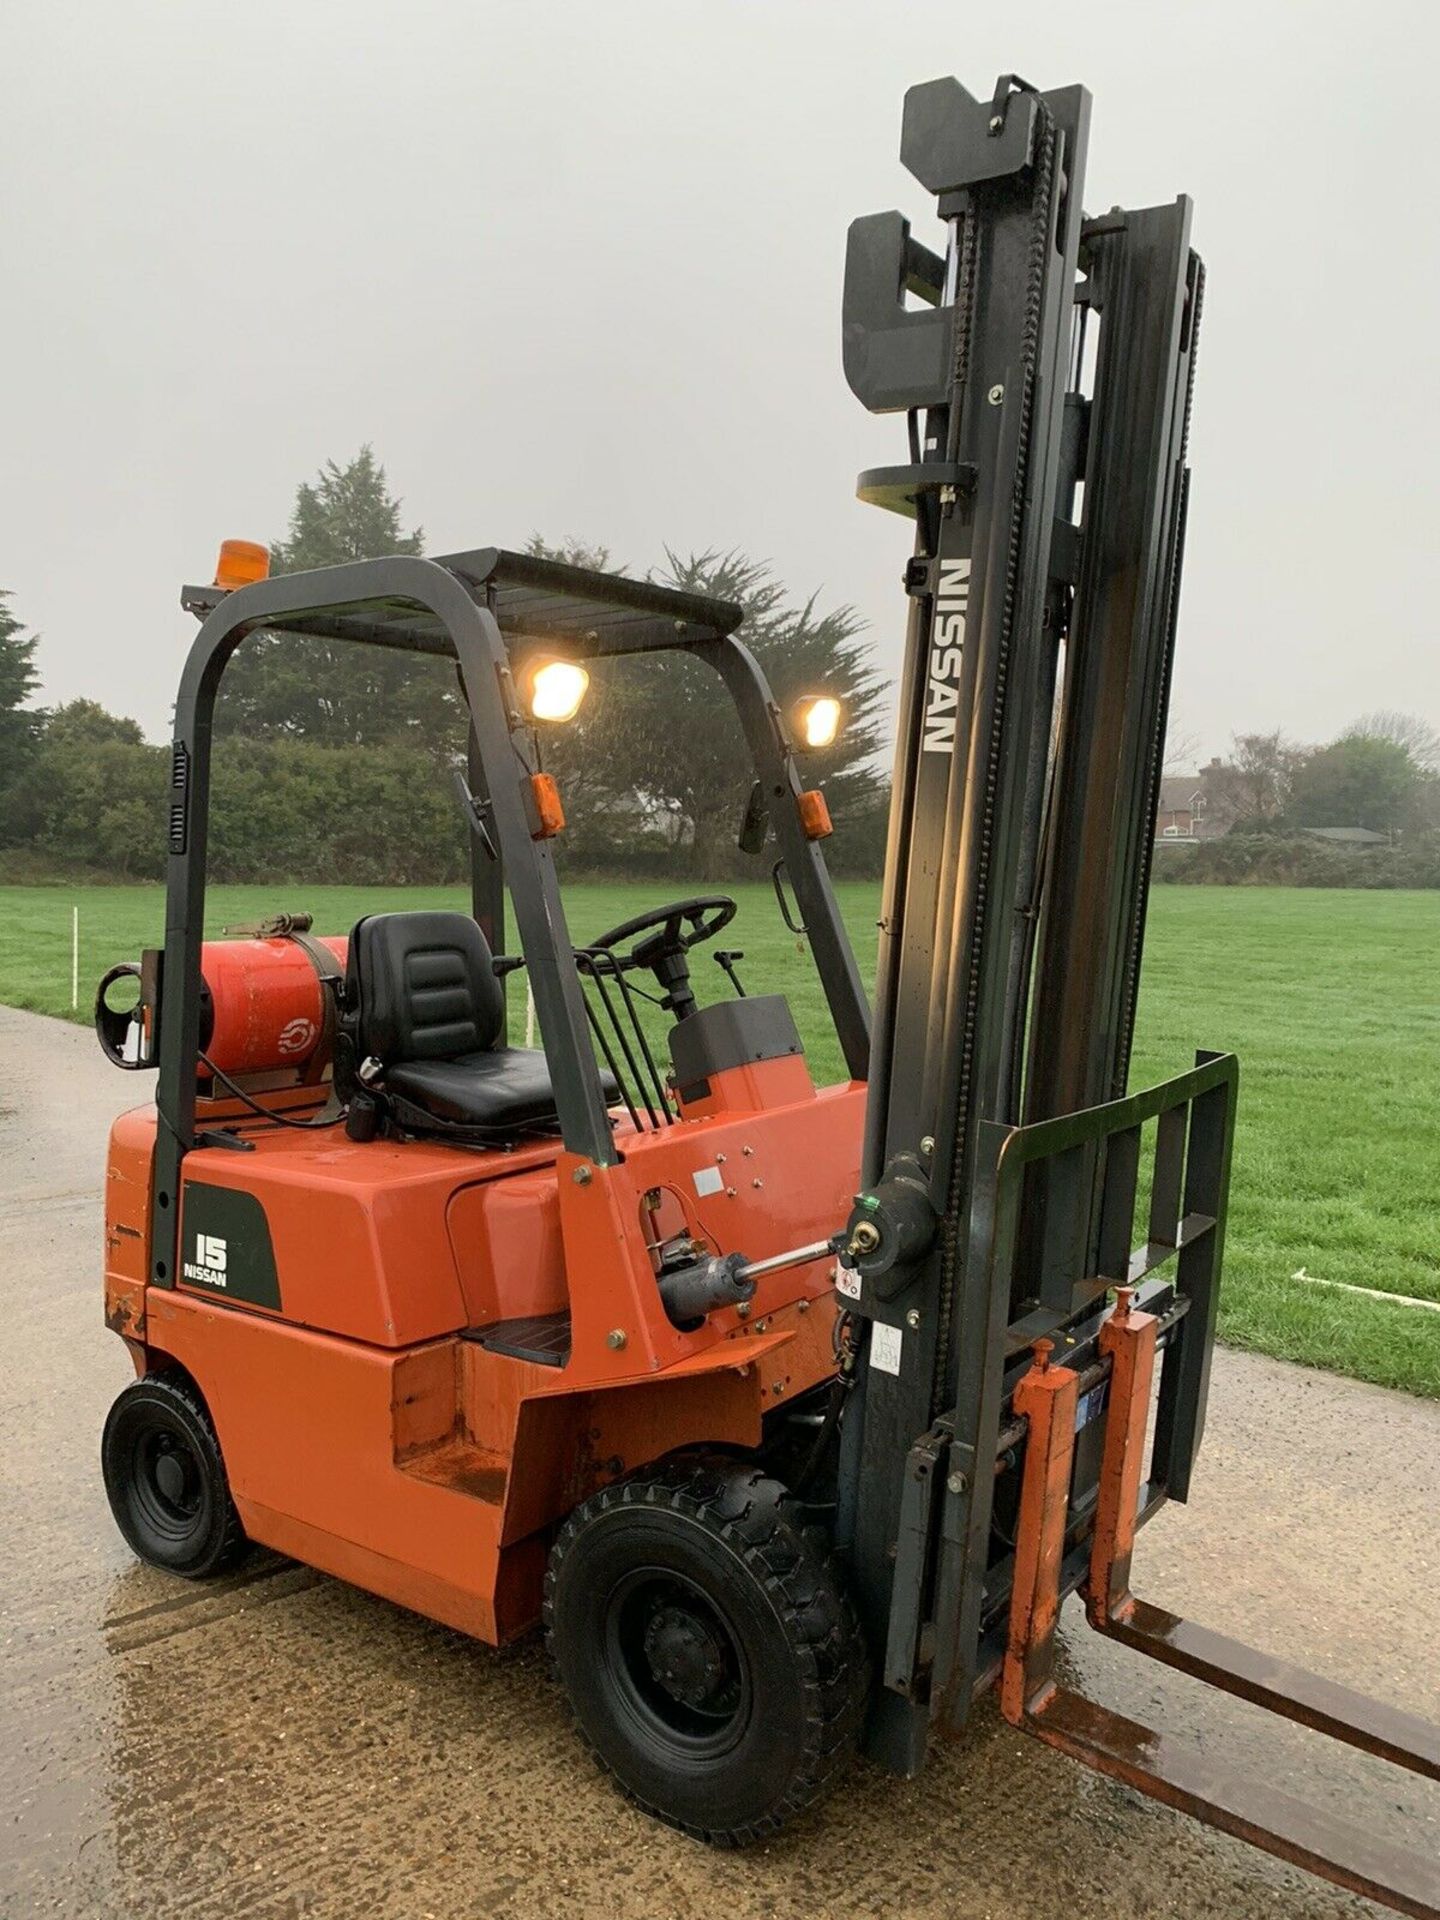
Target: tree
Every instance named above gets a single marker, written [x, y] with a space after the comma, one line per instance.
[100, 804]
[801, 650]
[1251, 791]
[19, 724]
[1422, 743]
[1357, 781]
[1182, 748]
[289, 812]
[607, 824]
[328, 692]
[572, 553]
[1407, 730]
[82, 723]
[657, 749]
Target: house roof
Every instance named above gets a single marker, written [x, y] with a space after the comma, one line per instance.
[1349, 836]
[1179, 791]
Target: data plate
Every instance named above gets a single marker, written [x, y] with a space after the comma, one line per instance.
[885, 1346]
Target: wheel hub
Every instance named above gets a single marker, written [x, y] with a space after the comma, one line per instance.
[170, 1477]
[685, 1656]
[172, 1474]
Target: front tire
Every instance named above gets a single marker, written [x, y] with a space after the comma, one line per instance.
[707, 1645]
[166, 1480]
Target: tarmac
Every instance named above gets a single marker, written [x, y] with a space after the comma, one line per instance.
[279, 1745]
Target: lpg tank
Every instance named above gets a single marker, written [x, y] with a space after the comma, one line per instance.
[263, 1005]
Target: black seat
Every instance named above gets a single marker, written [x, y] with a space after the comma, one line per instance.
[428, 1008]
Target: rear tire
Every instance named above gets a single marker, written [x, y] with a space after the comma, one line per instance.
[707, 1645]
[166, 1480]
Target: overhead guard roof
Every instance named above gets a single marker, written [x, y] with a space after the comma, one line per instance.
[530, 598]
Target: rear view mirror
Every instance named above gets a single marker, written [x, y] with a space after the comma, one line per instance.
[755, 822]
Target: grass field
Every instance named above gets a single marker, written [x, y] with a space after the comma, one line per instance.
[1331, 999]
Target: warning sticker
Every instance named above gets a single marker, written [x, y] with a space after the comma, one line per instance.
[707, 1180]
[885, 1343]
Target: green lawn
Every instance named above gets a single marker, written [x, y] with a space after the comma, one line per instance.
[1331, 999]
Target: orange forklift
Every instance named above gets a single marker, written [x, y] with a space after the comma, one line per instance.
[405, 1300]
[794, 1413]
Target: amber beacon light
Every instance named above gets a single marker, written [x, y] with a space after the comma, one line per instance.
[241, 562]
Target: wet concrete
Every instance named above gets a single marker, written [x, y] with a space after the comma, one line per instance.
[280, 1745]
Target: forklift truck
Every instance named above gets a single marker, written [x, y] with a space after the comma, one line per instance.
[794, 1413]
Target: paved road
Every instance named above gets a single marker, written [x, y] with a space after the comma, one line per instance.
[281, 1745]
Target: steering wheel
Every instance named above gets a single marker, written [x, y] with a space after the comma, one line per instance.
[673, 930]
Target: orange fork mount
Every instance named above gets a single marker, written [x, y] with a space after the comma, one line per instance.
[1171, 1770]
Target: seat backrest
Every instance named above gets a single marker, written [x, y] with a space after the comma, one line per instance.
[425, 986]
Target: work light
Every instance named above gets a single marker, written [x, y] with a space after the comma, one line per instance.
[817, 719]
[555, 689]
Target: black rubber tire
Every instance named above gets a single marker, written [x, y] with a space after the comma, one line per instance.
[166, 1480]
[783, 1652]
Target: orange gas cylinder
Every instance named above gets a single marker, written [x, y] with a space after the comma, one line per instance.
[263, 1005]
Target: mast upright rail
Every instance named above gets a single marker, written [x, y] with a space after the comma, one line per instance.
[994, 1454]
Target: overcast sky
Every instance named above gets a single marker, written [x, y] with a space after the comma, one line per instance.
[577, 268]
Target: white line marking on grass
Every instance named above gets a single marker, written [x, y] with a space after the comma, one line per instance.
[1370, 1293]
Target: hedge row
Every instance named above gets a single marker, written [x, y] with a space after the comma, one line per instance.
[387, 816]
[285, 811]
[1286, 860]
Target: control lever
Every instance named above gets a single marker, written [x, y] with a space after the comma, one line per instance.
[725, 960]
